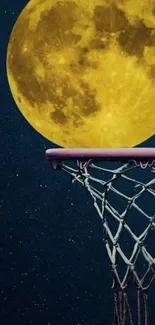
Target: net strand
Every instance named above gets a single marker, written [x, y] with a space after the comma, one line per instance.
[122, 309]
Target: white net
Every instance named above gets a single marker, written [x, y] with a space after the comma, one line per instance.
[121, 200]
[123, 196]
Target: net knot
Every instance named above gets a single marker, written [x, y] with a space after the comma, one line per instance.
[140, 242]
[114, 267]
[132, 267]
[152, 220]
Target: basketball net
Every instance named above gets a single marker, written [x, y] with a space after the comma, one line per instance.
[122, 195]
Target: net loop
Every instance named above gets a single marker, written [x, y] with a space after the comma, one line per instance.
[56, 164]
[82, 165]
[144, 165]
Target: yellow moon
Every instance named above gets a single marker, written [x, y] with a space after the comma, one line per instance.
[82, 72]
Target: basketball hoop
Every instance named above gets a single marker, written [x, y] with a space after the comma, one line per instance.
[121, 185]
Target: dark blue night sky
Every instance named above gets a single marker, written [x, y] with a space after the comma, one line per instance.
[54, 268]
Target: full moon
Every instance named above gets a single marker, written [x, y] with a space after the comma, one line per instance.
[82, 72]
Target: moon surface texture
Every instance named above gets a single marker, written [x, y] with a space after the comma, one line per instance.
[82, 72]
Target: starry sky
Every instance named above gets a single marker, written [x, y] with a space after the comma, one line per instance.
[53, 266]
